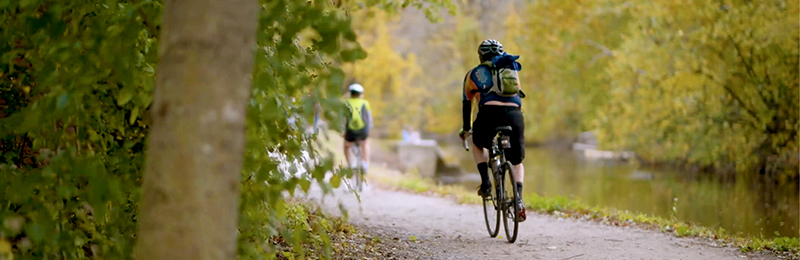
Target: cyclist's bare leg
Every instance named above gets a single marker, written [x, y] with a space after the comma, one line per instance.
[519, 172]
[364, 145]
[479, 154]
[347, 152]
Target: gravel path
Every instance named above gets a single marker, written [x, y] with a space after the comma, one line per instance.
[443, 229]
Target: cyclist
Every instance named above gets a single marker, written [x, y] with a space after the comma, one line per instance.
[357, 125]
[494, 110]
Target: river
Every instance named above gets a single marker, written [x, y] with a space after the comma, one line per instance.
[740, 207]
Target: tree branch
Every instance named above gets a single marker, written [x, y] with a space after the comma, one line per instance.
[749, 67]
[735, 96]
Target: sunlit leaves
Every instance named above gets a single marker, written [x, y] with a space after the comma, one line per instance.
[76, 84]
[701, 85]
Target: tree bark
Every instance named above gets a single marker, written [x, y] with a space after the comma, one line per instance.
[195, 151]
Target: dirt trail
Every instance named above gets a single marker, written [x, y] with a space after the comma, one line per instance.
[444, 229]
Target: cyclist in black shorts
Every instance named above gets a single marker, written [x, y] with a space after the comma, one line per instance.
[358, 124]
[494, 110]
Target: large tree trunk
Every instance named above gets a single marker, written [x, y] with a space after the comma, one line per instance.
[195, 151]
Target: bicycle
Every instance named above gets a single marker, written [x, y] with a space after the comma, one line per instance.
[358, 173]
[502, 201]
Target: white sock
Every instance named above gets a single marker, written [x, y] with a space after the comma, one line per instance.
[365, 166]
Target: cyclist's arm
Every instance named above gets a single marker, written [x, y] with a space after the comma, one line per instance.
[468, 95]
[367, 114]
[346, 118]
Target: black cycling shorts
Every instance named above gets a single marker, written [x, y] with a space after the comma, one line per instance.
[485, 125]
[356, 135]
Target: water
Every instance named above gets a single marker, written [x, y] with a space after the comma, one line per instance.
[740, 207]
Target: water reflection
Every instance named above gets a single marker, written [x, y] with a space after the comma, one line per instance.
[750, 207]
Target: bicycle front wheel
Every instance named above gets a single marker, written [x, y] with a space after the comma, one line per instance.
[510, 209]
[491, 210]
[359, 175]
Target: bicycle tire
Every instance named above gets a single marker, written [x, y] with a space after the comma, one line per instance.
[491, 210]
[359, 180]
[357, 173]
[510, 206]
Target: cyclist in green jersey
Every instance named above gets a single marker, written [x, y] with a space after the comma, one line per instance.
[358, 124]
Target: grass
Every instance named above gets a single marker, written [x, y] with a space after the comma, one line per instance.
[311, 234]
[567, 208]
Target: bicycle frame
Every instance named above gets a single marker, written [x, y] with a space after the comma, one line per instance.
[497, 157]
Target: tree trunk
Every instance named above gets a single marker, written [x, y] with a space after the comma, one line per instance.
[190, 207]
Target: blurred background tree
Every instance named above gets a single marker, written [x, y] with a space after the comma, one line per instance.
[706, 83]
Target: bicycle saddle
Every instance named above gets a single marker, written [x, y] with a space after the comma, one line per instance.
[503, 129]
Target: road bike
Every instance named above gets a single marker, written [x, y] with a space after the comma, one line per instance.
[502, 201]
[358, 170]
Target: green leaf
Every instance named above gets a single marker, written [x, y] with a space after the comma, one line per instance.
[35, 232]
[305, 184]
[65, 191]
[134, 115]
[62, 101]
[5, 3]
[26, 3]
[125, 95]
[93, 136]
[79, 241]
[336, 180]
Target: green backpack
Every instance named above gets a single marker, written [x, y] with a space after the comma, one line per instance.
[505, 76]
[355, 118]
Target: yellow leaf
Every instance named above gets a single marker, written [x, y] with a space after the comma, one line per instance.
[5, 250]
[335, 181]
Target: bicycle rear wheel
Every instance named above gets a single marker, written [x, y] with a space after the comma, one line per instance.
[491, 210]
[510, 206]
[359, 180]
[357, 172]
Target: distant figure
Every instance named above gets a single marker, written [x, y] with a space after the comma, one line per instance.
[406, 133]
[414, 136]
[409, 135]
[357, 125]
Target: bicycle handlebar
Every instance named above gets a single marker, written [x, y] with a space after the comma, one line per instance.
[466, 144]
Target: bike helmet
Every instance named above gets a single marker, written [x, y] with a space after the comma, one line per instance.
[490, 47]
[355, 87]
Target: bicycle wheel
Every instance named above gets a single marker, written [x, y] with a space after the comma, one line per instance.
[357, 173]
[359, 179]
[491, 211]
[510, 207]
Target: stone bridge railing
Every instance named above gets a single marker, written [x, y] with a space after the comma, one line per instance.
[427, 157]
